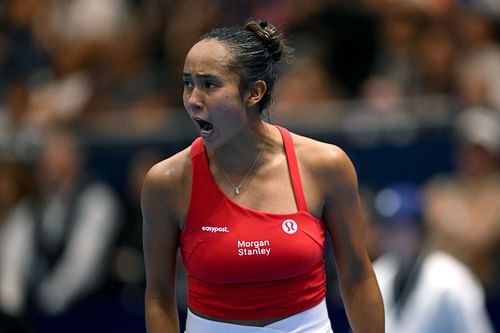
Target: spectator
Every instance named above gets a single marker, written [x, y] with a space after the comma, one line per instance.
[395, 59]
[306, 84]
[479, 60]
[424, 291]
[77, 220]
[436, 61]
[129, 87]
[16, 225]
[463, 209]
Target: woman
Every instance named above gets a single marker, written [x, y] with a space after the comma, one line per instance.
[249, 205]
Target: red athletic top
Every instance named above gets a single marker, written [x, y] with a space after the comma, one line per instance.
[247, 264]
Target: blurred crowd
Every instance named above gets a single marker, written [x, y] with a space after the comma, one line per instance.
[80, 71]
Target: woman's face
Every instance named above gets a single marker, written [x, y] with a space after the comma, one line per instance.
[212, 95]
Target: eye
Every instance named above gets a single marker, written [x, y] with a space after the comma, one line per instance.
[187, 83]
[210, 85]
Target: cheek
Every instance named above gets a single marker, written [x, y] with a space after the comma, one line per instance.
[231, 103]
[231, 114]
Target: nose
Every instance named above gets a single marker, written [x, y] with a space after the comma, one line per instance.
[193, 100]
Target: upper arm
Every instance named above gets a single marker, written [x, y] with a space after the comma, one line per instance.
[342, 214]
[337, 183]
[160, 210]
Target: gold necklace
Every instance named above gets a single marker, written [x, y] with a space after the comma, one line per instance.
[237, 188]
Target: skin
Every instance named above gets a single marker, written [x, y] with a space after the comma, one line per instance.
[212, 93]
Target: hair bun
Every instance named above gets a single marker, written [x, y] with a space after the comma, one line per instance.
[269, 35]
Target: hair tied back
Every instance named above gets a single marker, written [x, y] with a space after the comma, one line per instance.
[269, 35]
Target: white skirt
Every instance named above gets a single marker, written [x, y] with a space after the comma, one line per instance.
[313, 320]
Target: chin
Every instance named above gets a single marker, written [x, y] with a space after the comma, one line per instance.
[211, 142]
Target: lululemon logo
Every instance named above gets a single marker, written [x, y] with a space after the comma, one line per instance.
[289, 226]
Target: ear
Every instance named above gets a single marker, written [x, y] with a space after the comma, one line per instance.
[255, 92]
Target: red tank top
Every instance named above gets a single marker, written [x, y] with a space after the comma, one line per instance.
[248, 264]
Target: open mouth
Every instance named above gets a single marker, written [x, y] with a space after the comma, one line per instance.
[205, 126]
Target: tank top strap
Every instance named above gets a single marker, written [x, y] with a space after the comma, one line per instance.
[199, 166]
[293, 166]
[197, 147]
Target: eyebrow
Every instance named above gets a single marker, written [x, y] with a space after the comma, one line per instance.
[201, 76]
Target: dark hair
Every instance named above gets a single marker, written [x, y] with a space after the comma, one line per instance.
[257, 49]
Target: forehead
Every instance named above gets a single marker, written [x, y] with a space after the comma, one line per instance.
[208, 57]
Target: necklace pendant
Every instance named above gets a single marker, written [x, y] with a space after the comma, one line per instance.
[237, 190]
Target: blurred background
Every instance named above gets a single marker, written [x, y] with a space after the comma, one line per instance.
[91, 97]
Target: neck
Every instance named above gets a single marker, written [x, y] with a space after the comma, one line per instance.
[241, 151]
[239, 162]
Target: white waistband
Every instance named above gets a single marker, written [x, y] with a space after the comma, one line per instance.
[313, 320]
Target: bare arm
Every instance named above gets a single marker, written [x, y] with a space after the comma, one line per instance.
[160, 236]
[359, 288]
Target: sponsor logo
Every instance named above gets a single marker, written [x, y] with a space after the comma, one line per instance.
[289, 226]
[214, 229]
[252, 248]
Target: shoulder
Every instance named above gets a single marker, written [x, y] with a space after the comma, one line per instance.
[320, 155]
[451, 277]
[439, 261]
[167, 179]
[168, 172]
[327, 162]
